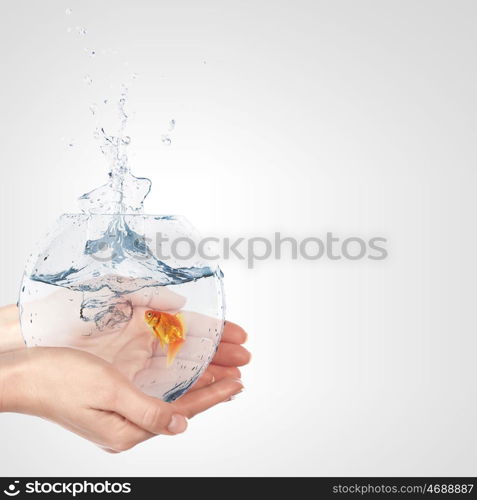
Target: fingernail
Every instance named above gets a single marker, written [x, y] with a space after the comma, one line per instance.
[178, 424]
[235, 394]
[239, 389]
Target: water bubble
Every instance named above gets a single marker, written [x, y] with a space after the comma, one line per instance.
[93, 107]
[172, 125]
[90, 52]
[166, 140]
[81, 31]
[126, 140]
[88, 80]
[69, 29]
[69, 143]
[68, 12]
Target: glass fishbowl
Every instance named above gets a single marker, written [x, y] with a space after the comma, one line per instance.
[131, 289]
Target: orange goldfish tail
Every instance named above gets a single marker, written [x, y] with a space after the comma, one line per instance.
[174, 348]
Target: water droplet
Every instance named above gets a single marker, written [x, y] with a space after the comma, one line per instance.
[68, 12]
[90, 52]
[134, 76]
[126, 140]
[88, 80]
[166, 140]
[105, 101]
[71, 144]
[172, 125]
[81, 31]
[93, 108]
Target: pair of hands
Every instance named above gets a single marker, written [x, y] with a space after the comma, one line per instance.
[92, 398]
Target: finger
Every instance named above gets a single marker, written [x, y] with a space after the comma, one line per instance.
[158, 297]
[221, 372]
[148, 413]
[126, 437]
[201, 400]
[234, 334]
[110, 431]
[108, 450]
[196, 350]
[206, 379]
[231, 355]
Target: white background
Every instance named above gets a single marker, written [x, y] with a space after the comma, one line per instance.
[357, 117]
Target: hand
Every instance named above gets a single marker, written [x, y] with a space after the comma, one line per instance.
[40, 381]
[131, 346]
[89, 397]
[10, 332]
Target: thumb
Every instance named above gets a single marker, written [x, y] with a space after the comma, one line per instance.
[149, 413]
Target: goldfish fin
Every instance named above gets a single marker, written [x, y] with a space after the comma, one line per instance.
[159, 335]
[180, 317]
[174, 348]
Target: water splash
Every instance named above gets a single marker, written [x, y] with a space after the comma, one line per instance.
[166, 138]
[124, 193]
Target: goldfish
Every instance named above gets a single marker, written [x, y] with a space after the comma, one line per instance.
[169, 329]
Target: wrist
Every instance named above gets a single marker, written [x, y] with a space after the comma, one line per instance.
[17, 374]
[10, 331]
